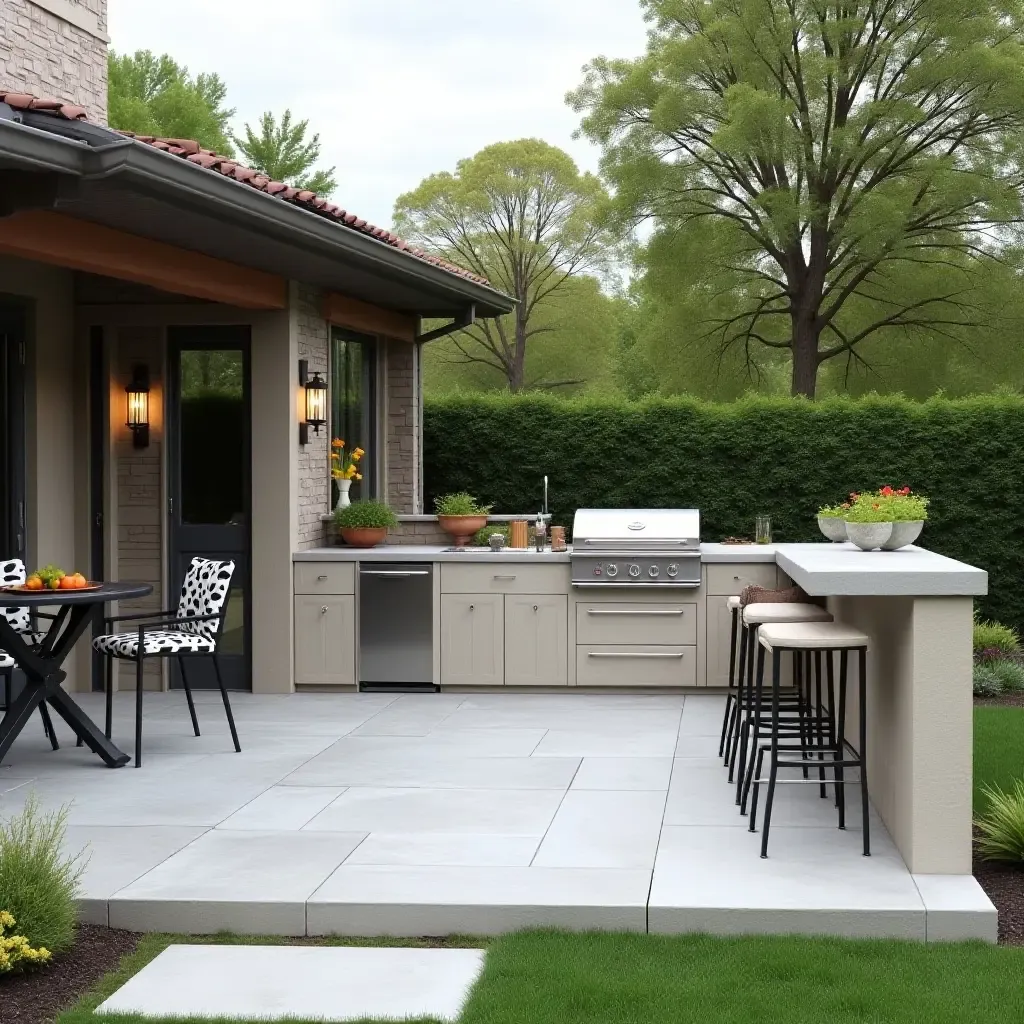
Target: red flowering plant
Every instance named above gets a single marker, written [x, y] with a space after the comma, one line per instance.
[886, 505]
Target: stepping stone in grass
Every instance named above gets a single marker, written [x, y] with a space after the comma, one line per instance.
[331, 983]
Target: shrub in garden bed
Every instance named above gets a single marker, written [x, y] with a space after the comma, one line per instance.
[1001, 827]
[781, 457]
[998, 666]
[39, 883]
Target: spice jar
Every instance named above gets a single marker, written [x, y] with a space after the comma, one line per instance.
[557, 538]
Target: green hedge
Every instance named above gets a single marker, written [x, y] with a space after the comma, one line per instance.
[782, 457]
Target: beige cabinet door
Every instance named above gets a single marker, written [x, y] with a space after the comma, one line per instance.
[472, 639]
[719, 622]
[536, 640]
[325, 640]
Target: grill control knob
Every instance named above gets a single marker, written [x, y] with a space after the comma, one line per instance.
[673, 569]
[612, 570]
[634, 571]
[653, 572]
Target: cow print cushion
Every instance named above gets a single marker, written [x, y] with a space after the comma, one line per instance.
[12, 573]
[6, 661]
[156, 641]
[203, 592]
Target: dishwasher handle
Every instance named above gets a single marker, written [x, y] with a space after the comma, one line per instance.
[394, 573]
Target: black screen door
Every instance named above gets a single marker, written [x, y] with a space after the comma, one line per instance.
[13, 540]
[208, 433]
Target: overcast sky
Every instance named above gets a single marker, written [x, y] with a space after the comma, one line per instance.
[397, 89]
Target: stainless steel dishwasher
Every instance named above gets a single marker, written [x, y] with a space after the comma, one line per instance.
[396, 626]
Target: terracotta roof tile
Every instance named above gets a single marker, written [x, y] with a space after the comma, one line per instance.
[189, 149]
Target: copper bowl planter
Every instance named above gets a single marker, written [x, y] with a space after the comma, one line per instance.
[461, 528]
[363, 536]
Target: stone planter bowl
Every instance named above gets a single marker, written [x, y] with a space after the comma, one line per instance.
[363, 536]
[461, 528]
[833, 528]
[903, 533]
[869, 536]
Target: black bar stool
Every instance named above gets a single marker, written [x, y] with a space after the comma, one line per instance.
[792, 700]
[825, 638]
[729, 719]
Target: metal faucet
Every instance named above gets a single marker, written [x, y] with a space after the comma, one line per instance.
[544, 510]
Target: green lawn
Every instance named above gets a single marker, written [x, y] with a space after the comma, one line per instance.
[998, 748]
[557, 978]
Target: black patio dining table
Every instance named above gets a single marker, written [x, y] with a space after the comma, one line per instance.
[42, 663]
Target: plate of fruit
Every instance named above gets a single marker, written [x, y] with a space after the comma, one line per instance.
[50, 577]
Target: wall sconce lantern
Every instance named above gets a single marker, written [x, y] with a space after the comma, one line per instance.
[138, 407]
[315, 394]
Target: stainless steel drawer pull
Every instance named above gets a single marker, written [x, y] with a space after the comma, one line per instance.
[635, 611]
[504, 577]
[321, 577]
[629, 654]
[392, 573]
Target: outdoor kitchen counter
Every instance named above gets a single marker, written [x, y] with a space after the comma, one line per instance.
[425, 553]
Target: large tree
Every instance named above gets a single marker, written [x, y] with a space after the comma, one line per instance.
[152, 95]
[521, 214]
[280, 149]
[840, 146]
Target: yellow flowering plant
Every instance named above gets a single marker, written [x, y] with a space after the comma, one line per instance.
[15, 950]
[345, 464]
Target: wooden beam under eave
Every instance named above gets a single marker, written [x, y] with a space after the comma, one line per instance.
[361, 316]
[64, 241]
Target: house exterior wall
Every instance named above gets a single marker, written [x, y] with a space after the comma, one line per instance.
[403, 395]
[314, 494]
[56, 48]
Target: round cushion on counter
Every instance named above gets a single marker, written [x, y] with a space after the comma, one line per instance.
[811, 635]
[755, 614]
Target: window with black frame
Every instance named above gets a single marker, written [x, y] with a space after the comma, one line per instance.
[354, 405]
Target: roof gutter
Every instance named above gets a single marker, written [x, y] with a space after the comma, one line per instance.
[40, 150]
[164, 175]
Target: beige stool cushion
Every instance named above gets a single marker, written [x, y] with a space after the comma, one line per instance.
[810, 635]
[755, 614]
[734, 603]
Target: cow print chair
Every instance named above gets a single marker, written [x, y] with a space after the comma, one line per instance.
[12, 574]
[193, 629]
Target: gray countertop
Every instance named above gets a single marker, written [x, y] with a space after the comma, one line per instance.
[823, 570]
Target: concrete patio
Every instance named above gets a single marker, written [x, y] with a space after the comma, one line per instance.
[371, 814]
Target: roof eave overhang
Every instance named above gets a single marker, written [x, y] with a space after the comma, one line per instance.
[166, 177]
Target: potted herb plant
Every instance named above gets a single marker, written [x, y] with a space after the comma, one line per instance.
[831, 521]
[364, 524]
[460, 516]
[886, 518]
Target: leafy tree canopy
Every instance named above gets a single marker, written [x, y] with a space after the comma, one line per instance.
[152, 95]
[281, 150]
[838, 147]
[521, 214]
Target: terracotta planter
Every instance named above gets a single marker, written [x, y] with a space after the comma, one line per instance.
[461, 528]
[363, 536]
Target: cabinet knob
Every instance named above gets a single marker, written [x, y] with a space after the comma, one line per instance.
[534, 607]
[323, 609]
[472, 606]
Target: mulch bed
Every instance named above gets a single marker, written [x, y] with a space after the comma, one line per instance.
[1004, 884]
[1014, 699]
[37, 997]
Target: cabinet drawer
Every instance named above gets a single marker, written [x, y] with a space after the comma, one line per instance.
[635, 665]
[504, 578]
[636, 623]
[728, 578]
[325, 578]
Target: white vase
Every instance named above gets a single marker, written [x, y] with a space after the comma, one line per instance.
[868, 536]
[343, 488]
[903, 533]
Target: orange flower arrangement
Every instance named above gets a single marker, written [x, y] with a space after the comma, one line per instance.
[345, 465]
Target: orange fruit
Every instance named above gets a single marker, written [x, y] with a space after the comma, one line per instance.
[68, 583]
[80, 580]
[33, 583]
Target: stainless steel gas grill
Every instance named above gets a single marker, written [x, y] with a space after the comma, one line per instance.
[639, 547]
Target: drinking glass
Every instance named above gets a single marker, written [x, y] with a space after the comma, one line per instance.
[763, 530]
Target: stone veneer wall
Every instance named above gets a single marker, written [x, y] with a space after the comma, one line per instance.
[139, 493]
[426, 532]
[403, 395]
[314, 479]
[56, 48]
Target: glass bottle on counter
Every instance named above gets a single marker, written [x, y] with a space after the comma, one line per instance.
[540, 531]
